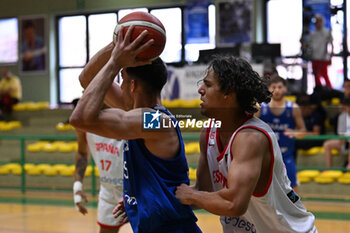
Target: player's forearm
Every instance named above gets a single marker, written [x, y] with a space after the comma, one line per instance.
[216, 202]
[94, 65]
[89, 106]
[81, 162]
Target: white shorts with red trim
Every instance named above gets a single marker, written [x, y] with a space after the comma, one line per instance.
[109, 197]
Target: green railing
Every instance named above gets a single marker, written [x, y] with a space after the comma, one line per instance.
[23, 138]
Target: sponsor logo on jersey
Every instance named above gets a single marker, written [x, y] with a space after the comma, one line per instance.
[218, 177]
[293, 196]
[109, 180]
[107, 147]
[238, 222]
[130, 200]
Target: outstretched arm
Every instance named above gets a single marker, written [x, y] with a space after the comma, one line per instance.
[249, 149]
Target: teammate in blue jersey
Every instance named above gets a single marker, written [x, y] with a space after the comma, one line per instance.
[154, 160]
[285, 119]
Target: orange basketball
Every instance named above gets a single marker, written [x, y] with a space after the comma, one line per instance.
[144, 21]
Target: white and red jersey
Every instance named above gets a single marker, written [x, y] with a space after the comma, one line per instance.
[278, 208]
[108, 156]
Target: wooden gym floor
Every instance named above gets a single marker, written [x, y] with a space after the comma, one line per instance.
[40, 212]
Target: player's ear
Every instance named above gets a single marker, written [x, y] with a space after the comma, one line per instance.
[133, 85]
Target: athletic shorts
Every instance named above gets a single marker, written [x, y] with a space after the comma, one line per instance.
[108, 199]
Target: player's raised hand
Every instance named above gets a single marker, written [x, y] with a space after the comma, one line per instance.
[125, 50]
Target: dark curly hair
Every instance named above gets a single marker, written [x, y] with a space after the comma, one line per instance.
[237, 75]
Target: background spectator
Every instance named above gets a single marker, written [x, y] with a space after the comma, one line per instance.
[10, 90]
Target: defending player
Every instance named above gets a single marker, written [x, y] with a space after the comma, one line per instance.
[240, 174]
[108, 156]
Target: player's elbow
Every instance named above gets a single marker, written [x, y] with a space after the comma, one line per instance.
[82, 80]
[236, 209]
[78, 120]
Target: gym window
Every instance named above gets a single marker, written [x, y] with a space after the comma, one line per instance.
[8, 40]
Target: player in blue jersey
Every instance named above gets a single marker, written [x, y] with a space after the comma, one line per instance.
[154, 159]
[285, 119]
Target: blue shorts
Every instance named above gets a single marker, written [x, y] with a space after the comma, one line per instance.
[291, 169]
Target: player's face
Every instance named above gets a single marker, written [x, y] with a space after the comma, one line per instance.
[126, 89]
[278, 90]
[211, 95]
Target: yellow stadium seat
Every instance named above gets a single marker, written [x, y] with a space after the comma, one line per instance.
[33, 106]
[324, 180]
[332, 174]
[308, 173]
[43, 105]
[66, 148]
[60, 126]
[16, 170]
[88, 170]
[34, 147]
[291, 98]
[97, 172]
[192, 173]
[13, 166]
[302, 152]
[59, 167]
[4, 170]
[28, 166]
[43, 166]
[19, 107]
[335, 152]
[5, 127]
[314, 151]
[344, 179]
[15, 124]
[50, 171]
[174, 103]
[74, 144]
[67, 171]
[34, 171]
[165, 102]
[304, 179]
[50, 147]
[190, 103]
[335, 101]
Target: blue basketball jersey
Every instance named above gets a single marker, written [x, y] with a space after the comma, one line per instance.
[149, 189]
[279, 124]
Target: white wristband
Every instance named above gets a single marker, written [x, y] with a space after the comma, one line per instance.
[77, 198]
[77, 186]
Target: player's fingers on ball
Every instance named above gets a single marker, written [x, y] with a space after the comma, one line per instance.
[128, 33]
[144, 46]
[137, 42]
[120, 34]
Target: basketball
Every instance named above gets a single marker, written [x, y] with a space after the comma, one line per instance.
[144, 21]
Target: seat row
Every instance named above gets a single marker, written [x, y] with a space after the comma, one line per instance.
[305, 176]
[44, 169]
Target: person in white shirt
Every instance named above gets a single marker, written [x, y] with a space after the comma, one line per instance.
[108, 156]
